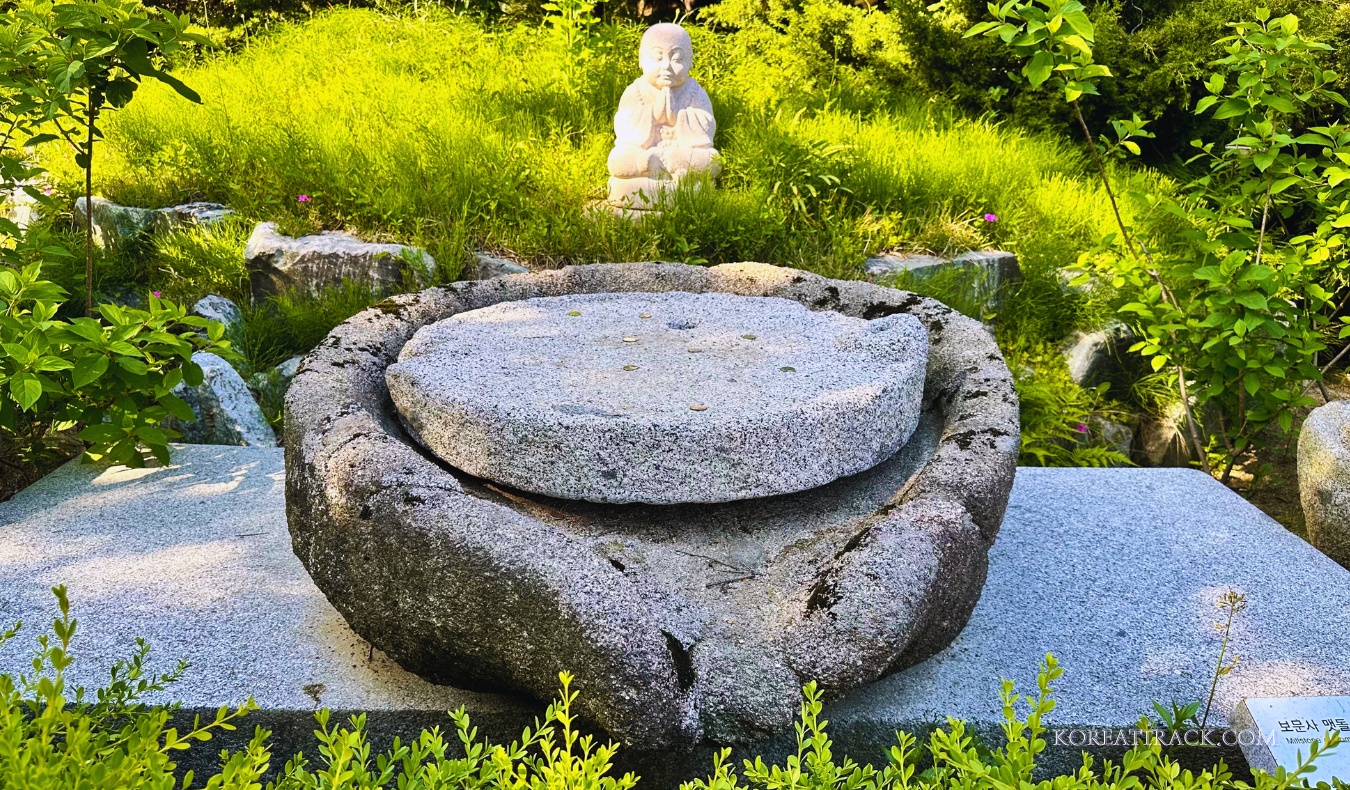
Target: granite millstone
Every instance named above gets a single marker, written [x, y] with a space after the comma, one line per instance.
[681, 623]
[661, 398]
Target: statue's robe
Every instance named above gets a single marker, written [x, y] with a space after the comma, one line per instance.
[674, 126]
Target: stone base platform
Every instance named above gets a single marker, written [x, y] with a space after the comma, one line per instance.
[1116, 572]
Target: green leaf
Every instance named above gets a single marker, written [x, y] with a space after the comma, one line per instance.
[1251, 300]
[88, 369]
[1079, 21]
[1283, 184]
[192, 374]
[1280, 103]
[1286, 421]
[26, 389]
[1231, 109]
[119, 92]
[133, 366]
[980, 29]
[177, 407]
[178, 86]
[151, 435]
[1038, 69]
[48, 364]
[101, 433]
[87, 328]
[136, 57]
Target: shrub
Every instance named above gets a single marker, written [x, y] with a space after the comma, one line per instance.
[71, 64]
[113, 377]
[1233, 290]
[1061, 421]
[1160, 50]
[52, 738]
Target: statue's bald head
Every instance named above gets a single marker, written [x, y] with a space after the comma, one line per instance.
[666, 53]
[668, 34]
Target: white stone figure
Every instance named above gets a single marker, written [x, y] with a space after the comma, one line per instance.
[664, 127]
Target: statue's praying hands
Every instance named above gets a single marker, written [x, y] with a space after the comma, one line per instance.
[664, 127]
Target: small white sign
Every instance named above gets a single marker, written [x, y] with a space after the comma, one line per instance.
[1286, 727]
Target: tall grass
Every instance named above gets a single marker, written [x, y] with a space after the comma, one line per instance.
[435, 130]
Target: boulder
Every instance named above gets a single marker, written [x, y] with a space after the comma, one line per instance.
[1117, 436]
[1162, 439]
[989, 270]
[681, 623]
[485, 267]
[1097, 357]
[187, 214]
[661, 398]
[287, 370]
[271, 385]
[310, 264]
[116, 224]
[218, 308]
[1324, 478]
[226, 411]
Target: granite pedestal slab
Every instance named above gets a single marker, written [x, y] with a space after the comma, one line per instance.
[681, 623]
[661, 398]
[1114, 571]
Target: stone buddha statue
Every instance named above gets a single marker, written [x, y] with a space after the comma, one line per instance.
[664, 128]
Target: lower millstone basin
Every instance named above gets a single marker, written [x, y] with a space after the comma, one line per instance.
[661, 398]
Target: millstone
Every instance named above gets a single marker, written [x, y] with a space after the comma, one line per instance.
[661, 398]
[683, 624]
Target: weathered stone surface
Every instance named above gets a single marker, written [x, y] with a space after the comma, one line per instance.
[1324, 478]
[226, 412]
[890, 264]
[1117, 436]
[988, 270]
[218, 308]
[271, 385]
[199, 213]
[1162, 439]
[1095, 357]
[207, 574]
[309, 264]
[679, 622]
[485, 267]
[121, 294]
[116, 224]
[661, 398]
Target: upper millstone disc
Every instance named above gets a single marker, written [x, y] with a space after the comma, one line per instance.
[661, 397]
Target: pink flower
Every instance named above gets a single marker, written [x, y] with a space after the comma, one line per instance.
[155, 294]
[47, 191]
[302, 199]
[991, 218]
[1081, 428]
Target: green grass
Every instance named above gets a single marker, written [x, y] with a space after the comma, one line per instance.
[436, 131]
